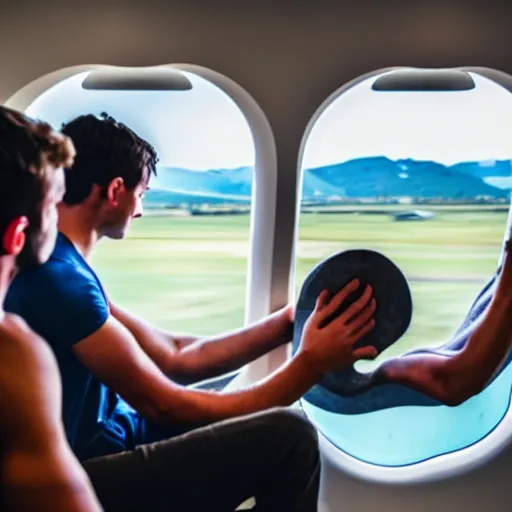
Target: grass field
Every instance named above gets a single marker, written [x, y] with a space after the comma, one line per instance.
[188, 274]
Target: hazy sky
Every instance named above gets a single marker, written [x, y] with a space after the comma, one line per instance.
[446, 127]
[203, 128]
[197, 129]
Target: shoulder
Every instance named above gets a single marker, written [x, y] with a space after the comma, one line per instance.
[53, 286]
[21, 349]
[54, 274]
[62, 301]
[16, 335]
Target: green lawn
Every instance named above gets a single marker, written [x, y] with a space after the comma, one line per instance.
[188, 273]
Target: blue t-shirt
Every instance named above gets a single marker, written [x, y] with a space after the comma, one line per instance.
[64, 302]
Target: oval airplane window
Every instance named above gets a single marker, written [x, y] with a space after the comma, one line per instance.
[417, 168]
[184, 264]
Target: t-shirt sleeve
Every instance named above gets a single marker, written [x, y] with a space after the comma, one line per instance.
[61, 302]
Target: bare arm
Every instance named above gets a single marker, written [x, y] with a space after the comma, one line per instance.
[187, 359]
[427, 373]
[113, 354]
[147, 334]
[39, 470]
[454, 379]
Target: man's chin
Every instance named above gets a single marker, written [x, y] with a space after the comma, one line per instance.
[117, 235]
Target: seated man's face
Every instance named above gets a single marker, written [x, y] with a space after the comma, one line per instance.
[41, 233]
[129, 206]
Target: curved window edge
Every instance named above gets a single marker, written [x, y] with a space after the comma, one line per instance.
[263, 203]
[432, 470]
[442, 466]
[262, 221]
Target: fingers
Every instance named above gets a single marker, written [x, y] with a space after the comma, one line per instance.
[354, 309]
[361, 332]
[339, 298]
[362, 318]
[368, 353]
[321, 301]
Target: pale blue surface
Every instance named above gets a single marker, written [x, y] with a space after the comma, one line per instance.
[407, 435]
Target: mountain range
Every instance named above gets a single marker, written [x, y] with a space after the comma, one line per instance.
[378, 178]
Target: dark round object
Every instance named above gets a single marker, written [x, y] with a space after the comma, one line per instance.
[393, 307]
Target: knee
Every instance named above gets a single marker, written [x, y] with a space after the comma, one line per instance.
[293, 424]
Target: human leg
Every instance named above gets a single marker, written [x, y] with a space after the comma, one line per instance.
[272, 455]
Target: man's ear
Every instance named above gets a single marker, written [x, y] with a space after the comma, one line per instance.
[114, 189]
[14, 236]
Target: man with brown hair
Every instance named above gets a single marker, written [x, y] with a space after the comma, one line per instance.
[38, 469]
[125, 382]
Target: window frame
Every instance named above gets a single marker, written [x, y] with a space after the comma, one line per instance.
[263, 200]
[442, 466]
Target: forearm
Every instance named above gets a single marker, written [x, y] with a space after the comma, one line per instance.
[454, 379]
[218, 355]
[179, 340]
[188, 359]
[282, 388]
[468, 372]
[426, 373]
[488, 346]
[163, 348]
[143, 331]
